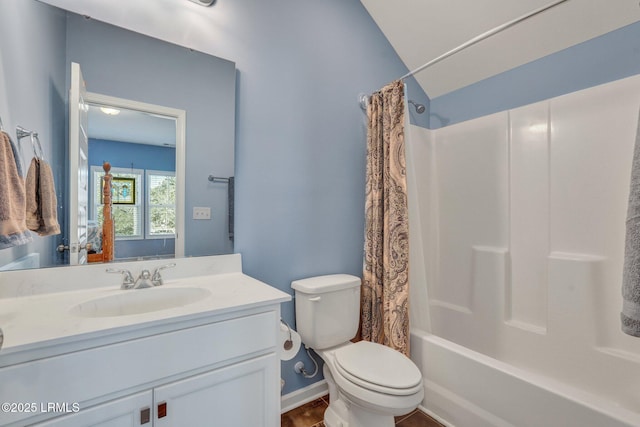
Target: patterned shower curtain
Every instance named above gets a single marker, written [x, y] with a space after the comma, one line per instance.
[385, 284]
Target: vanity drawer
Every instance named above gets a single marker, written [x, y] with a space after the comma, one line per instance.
[86, 375]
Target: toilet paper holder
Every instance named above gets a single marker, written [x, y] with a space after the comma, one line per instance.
[288, 344]
[289, 341]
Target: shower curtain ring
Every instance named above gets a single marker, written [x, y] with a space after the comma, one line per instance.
[364, 101]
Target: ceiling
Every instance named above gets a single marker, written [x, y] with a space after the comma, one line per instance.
[421, 30]
[132, 126]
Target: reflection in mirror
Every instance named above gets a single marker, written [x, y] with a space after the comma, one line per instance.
[141, 149]
[34, 76]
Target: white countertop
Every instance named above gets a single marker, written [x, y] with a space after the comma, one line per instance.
[32, 323]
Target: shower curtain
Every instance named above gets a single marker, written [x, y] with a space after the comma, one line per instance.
[385, 284]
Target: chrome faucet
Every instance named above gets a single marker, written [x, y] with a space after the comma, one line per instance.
[128, 281]
[144, 280]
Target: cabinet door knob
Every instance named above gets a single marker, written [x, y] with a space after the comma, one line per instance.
[162, 409]
[145, 415]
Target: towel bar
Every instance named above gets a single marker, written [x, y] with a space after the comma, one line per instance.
[217, 179]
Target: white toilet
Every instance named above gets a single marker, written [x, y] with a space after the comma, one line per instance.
[369, 383]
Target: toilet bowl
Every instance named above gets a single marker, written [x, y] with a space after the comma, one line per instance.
[369, 384]
[373, 378]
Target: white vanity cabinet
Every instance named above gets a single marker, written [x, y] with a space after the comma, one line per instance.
[125, 412]
[126, 360]
[236, 395]
[223, 368]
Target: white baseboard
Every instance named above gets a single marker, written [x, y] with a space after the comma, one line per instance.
[435, 416]
[303, 395]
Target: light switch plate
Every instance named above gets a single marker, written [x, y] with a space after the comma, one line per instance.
[201, 213]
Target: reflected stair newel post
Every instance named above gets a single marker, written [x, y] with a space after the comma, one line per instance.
[108, 230]
[107, 225]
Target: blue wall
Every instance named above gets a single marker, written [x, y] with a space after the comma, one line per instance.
[129, 155]
[33, 95]
[301, 135]
[612, 56]
[301, 139]
[136, 156]
[300, 132]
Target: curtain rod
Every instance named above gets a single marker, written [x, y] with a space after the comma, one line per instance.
[482, 37]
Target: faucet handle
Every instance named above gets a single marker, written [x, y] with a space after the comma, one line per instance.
[127, 280]
[157, 279]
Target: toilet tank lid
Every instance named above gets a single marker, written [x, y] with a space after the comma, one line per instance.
[328, 283]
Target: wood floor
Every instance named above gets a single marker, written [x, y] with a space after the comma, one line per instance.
[311, 415]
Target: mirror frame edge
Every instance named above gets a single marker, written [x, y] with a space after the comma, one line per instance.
[181, 124]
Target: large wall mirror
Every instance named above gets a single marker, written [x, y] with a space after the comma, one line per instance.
[38, 43]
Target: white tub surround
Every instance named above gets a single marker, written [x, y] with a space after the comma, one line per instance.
[521, 216]
[208, 347]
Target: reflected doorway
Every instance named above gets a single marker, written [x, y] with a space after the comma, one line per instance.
[145, 145]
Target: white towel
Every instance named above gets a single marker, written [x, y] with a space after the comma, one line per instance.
[630, 315]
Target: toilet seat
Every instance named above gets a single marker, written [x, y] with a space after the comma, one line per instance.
[378, 368]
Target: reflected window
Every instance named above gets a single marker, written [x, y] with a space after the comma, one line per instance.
[137, 217]
[127, 217]
[161, 204]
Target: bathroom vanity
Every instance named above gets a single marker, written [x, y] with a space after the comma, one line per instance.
[201, 347]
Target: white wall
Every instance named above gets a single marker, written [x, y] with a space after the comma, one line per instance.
[522, 217]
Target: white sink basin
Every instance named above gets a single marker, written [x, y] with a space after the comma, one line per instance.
[138, 301]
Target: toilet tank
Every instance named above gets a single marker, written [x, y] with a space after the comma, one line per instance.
[327, 309]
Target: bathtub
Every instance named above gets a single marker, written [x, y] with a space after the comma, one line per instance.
[464, 388]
